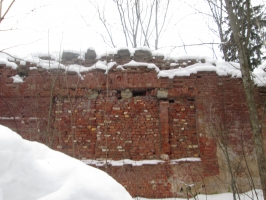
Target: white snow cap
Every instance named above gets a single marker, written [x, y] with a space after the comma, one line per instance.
[17, 79]
[4, 60]
[259, 75]
[31, 171]
[222, 68]
[133, 63]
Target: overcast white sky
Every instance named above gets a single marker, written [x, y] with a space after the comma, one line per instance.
[62, 20]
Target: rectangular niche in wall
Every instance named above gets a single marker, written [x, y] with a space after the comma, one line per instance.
[182, 128]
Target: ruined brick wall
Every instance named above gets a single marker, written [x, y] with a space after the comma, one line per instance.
[132, 114]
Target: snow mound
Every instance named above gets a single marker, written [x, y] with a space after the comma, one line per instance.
[209, 65]
[223, 196]
[133, 63]
[259, 75]
[7, 60]
[30, 171]
[17, 79]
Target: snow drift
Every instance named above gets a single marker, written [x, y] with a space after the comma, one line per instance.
[30, 171]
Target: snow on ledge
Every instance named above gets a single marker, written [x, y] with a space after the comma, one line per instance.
[259, 75]
[116, 163]
[4, 61]
[17, 79]
[221, 68]
[133, 63]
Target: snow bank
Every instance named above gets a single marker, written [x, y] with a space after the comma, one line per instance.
[30, 171]
[224, 196]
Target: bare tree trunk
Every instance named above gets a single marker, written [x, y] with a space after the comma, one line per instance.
[122, 19]
[1, 9]
[156, 25]
[242, 41]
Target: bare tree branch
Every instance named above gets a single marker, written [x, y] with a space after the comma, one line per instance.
[19, 45]
[103, 20]
[2, 17]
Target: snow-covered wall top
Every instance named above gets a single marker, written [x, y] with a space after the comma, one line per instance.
[122, 59]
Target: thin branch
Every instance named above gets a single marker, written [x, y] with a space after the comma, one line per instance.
[183, 43]
[198, 44]
[2, 18]
[248, 24]
[123, 23]
[164, 18]
[102, 19]
[19, 45]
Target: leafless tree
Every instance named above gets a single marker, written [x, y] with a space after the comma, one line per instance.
[242, 37]
[141, 22]
[218, 12]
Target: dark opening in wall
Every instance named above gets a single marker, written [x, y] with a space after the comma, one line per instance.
[171, 101]
[260, 92]
[190, 99]
[136, 93]
[118, 95]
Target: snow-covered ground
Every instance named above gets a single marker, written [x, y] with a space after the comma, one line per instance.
[226, 196]
[31, 171]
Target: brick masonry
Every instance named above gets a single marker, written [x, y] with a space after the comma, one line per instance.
[135, 115]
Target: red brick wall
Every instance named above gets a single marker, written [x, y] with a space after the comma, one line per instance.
[90, 119]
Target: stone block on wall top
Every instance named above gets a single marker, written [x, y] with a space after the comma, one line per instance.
[90, 55]
[46, 57]
[142, 55]
[68, 56]
[122, 54]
